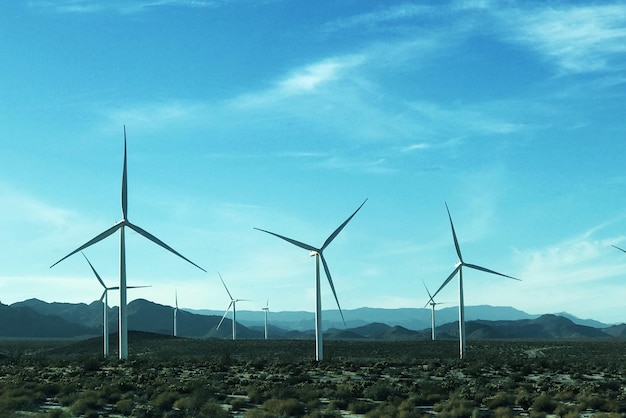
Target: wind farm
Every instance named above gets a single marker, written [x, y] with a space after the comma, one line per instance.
[198, 121]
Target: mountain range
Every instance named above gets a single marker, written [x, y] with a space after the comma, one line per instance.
[34, 318]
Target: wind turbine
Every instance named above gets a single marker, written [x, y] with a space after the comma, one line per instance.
[124, 222]
[318, 254]
[176, 313]
[266, 309]
[105, 300]
[432, 304]
[459, 269]
[233, 303]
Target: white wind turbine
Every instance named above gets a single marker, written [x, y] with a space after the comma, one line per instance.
[266, 309]
[176, 313]
[124, 222]
[318, 254]
[432, 304]
[105, 300]
[459, 269]
[233, 303]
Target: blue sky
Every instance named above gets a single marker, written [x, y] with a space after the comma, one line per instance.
[286, 115]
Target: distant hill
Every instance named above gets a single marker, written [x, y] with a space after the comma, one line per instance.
[24, 322]
[545, 327]
[35, 318]
[415, 319]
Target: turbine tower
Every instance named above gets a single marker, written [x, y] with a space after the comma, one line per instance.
[105, 300]
[233, 303]
[266, 309]
[176, 313]
[318, 254]
[124, 222]
[459, 269]
[432, 304]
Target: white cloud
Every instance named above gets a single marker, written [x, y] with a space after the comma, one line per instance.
[304, 80]
[580, 39]
[22, 208]
[380, 18]
[118, 6]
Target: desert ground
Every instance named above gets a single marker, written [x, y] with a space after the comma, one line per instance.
[177, 377]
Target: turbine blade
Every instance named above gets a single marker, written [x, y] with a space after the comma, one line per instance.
[338, 230]
[622, 250]
[161, 243]
[92, 241]
[292, 241]
[332, 286]
[103, 295]
[94, 271]
[429, 295]
[456, 241]
[124, 183]
[135, 287]
[176, 297]
[225, 313]
[227, 291]
[475, 267]
[454, 272]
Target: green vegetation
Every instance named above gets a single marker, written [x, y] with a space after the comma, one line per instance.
[218, 378]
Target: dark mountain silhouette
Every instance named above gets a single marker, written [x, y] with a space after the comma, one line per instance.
[411, 318]
[35, 318]
[545, 327]
[24, 322]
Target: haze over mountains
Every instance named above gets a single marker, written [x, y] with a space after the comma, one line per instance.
[34, 318]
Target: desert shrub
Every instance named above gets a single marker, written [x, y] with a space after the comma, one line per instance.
[87, 401]
[347, 391]
[53, 413]
[360, 407]
[256, 413]
[213, 409]
[380, 391]
[503, 412]
[165, 400]
[455, 406]
[125, 406]
[237, 404]
[284, 407]
[544, 403]
[500, 399]
[255, 395]
[91, 364]
[20, 398]
[382, 411]
[564, 410]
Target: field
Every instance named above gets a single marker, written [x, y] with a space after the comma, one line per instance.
[173, 377]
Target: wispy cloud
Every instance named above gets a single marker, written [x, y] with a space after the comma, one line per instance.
[380, 18]
[578, 39]
[416, 147]
[304, 80]
[19, 207]
[117, 6]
